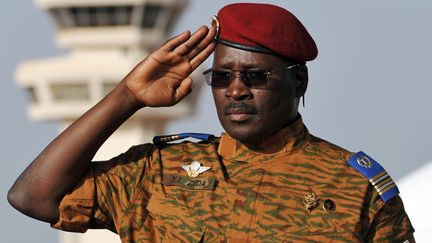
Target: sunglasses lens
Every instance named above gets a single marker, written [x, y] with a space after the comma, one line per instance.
[255, 79]
[220, 79]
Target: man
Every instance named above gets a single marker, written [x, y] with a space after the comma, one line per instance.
[267, 179]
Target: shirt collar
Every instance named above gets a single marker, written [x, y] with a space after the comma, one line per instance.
[292, 137]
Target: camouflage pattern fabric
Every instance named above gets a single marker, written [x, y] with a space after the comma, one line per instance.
[145, 195]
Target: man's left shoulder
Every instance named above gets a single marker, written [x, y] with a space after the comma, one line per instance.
[328, 150]
[356, 165]
[375, 174]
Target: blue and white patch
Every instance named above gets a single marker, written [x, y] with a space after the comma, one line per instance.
[376, 175]
[175, 137]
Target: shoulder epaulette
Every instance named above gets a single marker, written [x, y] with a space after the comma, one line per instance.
[376, 175]
[169, 138]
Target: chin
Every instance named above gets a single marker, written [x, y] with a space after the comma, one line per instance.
[248, 131]
[245, 135]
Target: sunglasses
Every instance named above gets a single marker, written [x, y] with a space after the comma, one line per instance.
[254, 79]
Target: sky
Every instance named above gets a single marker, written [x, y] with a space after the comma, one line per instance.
[369, 88]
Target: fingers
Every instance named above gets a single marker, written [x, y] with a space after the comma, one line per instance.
[195, 48]
[184, 89]
[199, 46]
[174, 42]
[202, 56]
[192, 42]
[208, 39]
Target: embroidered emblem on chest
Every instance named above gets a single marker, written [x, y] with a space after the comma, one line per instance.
[194, 169]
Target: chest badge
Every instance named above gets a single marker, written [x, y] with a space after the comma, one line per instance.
[194, 169]
[329, 206]
[311, 201]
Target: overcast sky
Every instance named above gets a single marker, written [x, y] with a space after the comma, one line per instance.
[369, 87]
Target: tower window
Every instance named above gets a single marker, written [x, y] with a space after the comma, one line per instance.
[151, 14]
[62, 18]
[32, 94]
[70, 92]
[92, 16]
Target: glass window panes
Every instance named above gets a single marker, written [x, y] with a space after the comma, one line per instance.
[151, 14]
[92, 16]
[62, 17]
[70, 92]
[32, 94]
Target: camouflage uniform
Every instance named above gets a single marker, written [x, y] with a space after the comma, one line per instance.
[145, 196]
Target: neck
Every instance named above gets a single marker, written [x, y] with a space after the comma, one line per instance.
[273, 143]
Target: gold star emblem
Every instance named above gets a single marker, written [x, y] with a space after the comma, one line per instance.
[310, 201]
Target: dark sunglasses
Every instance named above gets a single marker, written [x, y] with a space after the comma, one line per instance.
[251, 78]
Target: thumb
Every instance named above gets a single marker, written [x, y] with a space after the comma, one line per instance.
[184, 89]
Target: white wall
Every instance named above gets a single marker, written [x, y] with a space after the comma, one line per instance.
[416, 194]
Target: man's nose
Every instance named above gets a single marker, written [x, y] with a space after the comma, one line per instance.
[237, 89]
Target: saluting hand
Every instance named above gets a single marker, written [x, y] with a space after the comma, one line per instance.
[162, 79]
[159, 80]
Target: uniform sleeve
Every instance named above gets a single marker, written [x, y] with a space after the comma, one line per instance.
[105, 192]
[390, 223]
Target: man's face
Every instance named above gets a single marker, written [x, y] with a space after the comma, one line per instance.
[252, 115]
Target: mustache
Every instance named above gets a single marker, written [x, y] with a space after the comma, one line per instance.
[239, 107]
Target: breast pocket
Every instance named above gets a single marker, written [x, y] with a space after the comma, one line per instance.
[172, 218]
[306, 212]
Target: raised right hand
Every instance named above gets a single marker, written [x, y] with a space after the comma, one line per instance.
[162, 79]
[159, 80]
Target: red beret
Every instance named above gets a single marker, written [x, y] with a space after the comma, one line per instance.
[265, 28]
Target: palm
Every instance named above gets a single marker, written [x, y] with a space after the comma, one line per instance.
[162, 78]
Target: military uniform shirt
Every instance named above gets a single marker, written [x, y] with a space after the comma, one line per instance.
[145, 195]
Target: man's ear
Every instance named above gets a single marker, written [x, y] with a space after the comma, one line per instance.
[302, 81]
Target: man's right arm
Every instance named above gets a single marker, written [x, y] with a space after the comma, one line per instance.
[162, 79]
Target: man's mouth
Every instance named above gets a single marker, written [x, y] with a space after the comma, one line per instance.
[239, 111]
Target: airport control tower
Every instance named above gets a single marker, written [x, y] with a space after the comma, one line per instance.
[104, 39]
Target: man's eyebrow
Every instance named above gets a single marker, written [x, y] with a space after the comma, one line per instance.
[228, 66]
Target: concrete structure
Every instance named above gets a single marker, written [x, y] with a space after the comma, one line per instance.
[105, 39]
[417, 196]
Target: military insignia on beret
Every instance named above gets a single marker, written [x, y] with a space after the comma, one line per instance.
[376, 175]
[215, 22]
[194, 169]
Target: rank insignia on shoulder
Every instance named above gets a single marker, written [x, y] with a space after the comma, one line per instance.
[175, 137]
[376, 175]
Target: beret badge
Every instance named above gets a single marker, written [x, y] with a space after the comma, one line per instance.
[215, 22]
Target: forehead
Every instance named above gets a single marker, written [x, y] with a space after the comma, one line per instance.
[229, 57]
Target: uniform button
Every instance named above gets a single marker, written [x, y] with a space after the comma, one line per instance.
[329, 206]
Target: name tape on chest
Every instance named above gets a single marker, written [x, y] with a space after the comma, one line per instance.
[376, 175]
[189, 183]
